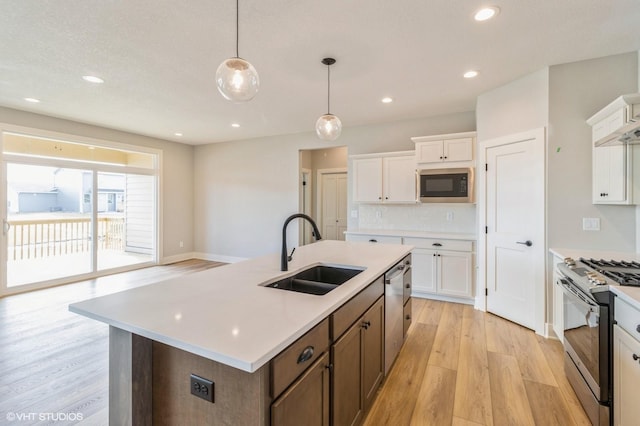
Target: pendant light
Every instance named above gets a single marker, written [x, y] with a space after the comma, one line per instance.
[236, 78]
[328, 127]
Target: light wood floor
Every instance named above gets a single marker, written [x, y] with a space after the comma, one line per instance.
[460, 366]
[54, 361]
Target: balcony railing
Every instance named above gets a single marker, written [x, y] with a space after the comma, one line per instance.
[40, 238]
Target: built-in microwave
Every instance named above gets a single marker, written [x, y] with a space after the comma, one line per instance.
[446, 185]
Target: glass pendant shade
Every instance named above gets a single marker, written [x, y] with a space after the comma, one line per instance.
[237, 80]
[328, 127]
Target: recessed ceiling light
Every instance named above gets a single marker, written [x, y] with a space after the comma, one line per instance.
[236, 125]
[32, 100]
[470, 74]
[486, 13]
[92, 79]
[178, 134]
[387, 100]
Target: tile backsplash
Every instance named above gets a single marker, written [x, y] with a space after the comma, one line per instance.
[421, 217]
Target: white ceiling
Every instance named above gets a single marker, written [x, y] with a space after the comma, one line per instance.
[159, 57]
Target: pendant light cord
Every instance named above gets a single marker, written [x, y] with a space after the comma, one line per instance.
[237, 27]
[328, 89]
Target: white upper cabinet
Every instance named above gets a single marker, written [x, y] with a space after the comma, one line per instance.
[610, 172]
[619, 118]
[450, 150]
[384, 178]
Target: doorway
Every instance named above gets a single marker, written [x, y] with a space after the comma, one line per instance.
[323, 192]
[512, 190]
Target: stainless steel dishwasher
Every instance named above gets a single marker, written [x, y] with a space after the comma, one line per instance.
[394, 281]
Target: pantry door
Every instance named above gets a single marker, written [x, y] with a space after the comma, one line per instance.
[333, 205]
[513, 185]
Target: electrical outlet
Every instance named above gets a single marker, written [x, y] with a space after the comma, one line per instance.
[449, 216]
[378, 214]
[202, 388]
[590, 223]
[181, 244]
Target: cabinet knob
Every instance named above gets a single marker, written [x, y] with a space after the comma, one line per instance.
[445, 157]
[408, 286]
[635, 357]
[366, 325]
[379, 198]
[329, 367]
[638, 328]
[441, 157]
[408, 317]
[386, 198]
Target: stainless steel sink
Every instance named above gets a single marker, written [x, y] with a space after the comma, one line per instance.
[318, 279]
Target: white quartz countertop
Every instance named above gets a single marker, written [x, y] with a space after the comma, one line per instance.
[414, 234]
[224, 314]
[628, 293]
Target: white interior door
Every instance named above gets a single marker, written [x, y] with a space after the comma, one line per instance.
[334, 206]
[515, 212]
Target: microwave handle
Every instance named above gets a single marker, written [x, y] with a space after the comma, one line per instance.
[417, 186]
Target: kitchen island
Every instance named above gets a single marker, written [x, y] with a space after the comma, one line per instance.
[221, 325]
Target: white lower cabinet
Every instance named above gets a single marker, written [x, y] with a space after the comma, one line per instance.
[626, 364]
[445, 268]
[558, 306]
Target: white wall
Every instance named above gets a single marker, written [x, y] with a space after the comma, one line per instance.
[177, 176]
[246, 189]
[518, 106]
[576, 92]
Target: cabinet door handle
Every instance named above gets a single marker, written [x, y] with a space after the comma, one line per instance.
[366, 325]
[437, 244]
[636, 357]
[305, 355]
[638, 328]
[329, 367]
[373, 241]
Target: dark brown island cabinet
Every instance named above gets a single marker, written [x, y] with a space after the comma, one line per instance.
[329, 376]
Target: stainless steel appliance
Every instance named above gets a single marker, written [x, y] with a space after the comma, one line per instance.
[446, 185]
[396, 279]
[588, 328]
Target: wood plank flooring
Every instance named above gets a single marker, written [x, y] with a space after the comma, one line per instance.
[460, 366]
[54, 363]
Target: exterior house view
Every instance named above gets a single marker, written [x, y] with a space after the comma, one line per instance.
[367, 213]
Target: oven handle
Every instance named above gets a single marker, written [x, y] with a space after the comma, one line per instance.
[566, 289]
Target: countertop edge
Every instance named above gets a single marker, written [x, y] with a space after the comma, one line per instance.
[414, 234]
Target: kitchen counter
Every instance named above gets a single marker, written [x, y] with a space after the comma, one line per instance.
[414, 234]
[224, 315]
[627, 293]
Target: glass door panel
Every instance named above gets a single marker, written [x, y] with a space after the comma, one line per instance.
[49, 223]
[126, 220]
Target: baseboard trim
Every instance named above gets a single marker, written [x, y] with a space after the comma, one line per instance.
[422, 295]
[177, 258]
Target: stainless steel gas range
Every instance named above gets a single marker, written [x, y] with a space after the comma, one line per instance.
[588, 328]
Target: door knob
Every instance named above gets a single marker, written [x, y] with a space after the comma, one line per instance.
[527, 243]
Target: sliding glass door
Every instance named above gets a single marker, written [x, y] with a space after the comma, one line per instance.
[48, 227]
[73, 211]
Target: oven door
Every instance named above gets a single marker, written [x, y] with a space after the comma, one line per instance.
[582, 333]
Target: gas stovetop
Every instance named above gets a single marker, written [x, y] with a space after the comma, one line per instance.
[621, 272]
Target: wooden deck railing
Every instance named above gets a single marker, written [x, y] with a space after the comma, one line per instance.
[31, 239]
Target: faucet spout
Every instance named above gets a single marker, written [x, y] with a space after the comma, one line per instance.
[284, 259]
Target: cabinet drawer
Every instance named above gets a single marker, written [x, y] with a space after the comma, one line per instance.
[406, 316]
[291, 362]
[628, 318]
[354, 308]
[437, 244]
[384, 239]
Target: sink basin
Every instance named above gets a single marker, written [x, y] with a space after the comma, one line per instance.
[318, 280]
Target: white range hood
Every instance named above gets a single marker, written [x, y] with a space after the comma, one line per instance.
[618, 122]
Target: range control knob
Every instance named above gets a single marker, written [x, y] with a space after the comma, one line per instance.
[569, 261]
